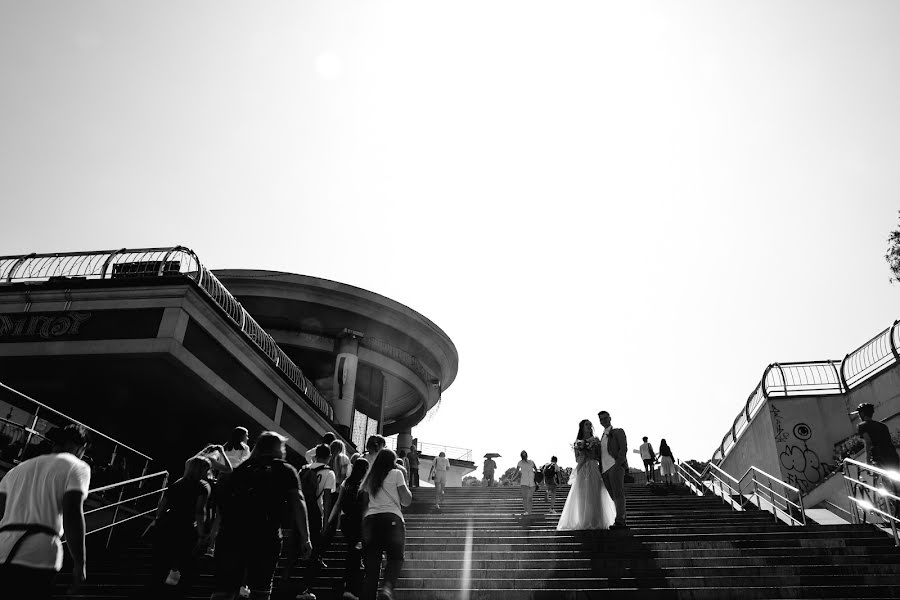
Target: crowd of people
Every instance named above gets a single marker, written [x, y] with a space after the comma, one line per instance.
[250, 508]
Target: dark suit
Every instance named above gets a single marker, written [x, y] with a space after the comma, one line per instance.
[614, 477]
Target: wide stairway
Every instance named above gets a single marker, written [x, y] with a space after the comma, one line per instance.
[677, 546]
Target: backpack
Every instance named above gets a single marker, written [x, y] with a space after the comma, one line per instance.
[354, 502]
[551, 474]
[250, 501]
[538, 477]
[309, 485]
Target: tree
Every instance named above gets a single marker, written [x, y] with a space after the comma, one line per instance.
[697, 465]
[893, 254]
[469, 481]
[507, 477]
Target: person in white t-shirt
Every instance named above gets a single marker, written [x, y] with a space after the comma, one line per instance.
[439, 470]
[325, 488]
[326, 439]
[237, 450]
[649, 458]
[41, 499]
[525, 469]
[384, 530]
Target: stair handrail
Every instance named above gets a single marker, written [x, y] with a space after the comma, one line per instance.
[737, 493]
[122, 501]
[41, 406]
[789, 508]
[691, 476]
[714, 474]
[879, 500]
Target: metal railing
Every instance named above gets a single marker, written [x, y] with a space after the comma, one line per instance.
[755, 487]
[691, 478]
[464, 454]
[877, 497]
[401, 356]
[815, 378]
[25, 426]
[158, 262]
[132, 499]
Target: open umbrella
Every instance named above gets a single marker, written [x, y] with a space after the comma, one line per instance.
[492, 455]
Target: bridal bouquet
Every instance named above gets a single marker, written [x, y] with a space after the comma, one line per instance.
[590, 446]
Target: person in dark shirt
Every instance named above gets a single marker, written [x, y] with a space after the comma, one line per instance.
[253, 507]
[179, 524]
[880, 450]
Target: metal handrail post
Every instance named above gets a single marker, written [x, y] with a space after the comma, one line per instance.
[144, 472]
[802, 510]
[115, 515]
[854, 516]
[31, 431]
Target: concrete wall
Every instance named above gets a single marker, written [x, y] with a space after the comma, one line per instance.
[458, 470]
[754, 447]
[806, 430]
[883, 391]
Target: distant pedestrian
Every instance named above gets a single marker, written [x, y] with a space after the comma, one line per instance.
[327, 438]
[384, 530]
[40, 499]
[253, 506]
[404, 464]
[525, 474]
[339, 462]
[666, 462]
[348, 510]
[649, 458]
[179, 526]
[489, 467]
[439, 469]
[551, 481]
[412, 457]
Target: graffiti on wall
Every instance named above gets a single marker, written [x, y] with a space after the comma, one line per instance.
[802, 465]
[781, 435]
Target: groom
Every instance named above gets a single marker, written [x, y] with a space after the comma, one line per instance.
[613, 464]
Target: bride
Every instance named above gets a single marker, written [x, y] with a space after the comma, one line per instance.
[589, 505]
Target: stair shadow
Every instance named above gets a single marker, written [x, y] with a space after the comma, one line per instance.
[619, 561]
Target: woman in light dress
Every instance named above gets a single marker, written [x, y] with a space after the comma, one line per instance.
[589, 505]
[666, 462]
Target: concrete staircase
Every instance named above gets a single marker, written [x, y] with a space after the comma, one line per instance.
[677, 546]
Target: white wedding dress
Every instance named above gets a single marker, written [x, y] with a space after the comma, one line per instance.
[589, 505]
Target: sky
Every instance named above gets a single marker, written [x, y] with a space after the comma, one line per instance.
[606, 205]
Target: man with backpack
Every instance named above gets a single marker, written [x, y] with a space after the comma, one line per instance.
[317, 483]
[253, 506]
[551, 480]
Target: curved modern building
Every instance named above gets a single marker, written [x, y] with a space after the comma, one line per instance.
[150, 347]
[377, 360]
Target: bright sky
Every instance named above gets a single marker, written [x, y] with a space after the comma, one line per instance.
[631, 206]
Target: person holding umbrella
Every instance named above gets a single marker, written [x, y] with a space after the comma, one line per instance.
[489, 467]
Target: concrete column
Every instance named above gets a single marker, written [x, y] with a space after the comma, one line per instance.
[404, 440]
[344, 389]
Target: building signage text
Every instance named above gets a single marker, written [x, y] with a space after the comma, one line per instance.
[45, 325]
